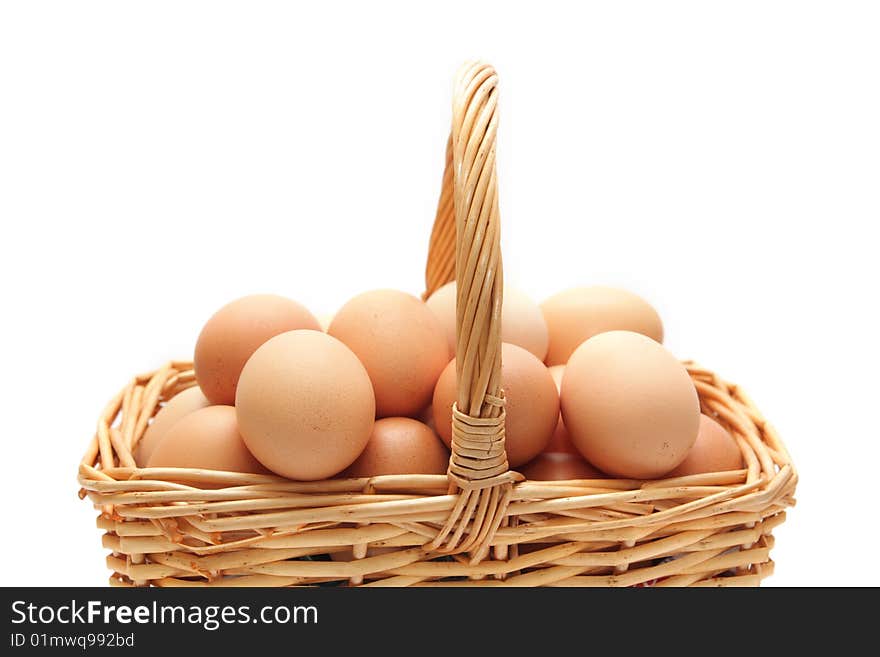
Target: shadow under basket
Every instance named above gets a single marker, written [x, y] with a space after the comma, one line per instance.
[481, 524]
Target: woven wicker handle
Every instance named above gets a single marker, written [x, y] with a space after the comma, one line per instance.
[468, 220]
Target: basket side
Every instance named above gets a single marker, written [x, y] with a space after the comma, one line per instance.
[181, 527]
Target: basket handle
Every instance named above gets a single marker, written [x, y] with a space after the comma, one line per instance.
[468, 219]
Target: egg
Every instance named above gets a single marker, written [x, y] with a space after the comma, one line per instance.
[206, 439]
[522, 323]
[305, 405]
[400, 343]
[630, 407]
[558, 467]
[531, 403]
[715, 450]
[234, 332]
[560, 443]
[578, 314]
[400, 445]
[183, 403]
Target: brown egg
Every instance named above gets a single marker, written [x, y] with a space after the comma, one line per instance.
[558, 467]
[522, 323]
[578, 314]
[442, 304]
[715, 450]
[560, 443]
[400, 445]
[532, 404]
[629, 406]
[183, 403]
[401, 344]
[206, 439]
[305, 405]
[234, 332]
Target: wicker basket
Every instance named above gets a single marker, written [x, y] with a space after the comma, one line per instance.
[482, 525]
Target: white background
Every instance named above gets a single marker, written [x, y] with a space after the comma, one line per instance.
[159, 159]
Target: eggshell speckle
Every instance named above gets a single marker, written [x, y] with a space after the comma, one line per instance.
[629, 406]
[305, 405]
[206, 439]
[400, 343]
[532, 404]
[578, 314]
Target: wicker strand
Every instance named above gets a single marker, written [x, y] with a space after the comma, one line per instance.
[440, 268]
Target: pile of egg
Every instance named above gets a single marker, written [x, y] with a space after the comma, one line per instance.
[590, 391]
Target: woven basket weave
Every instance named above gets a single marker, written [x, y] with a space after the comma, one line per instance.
[482, 525]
